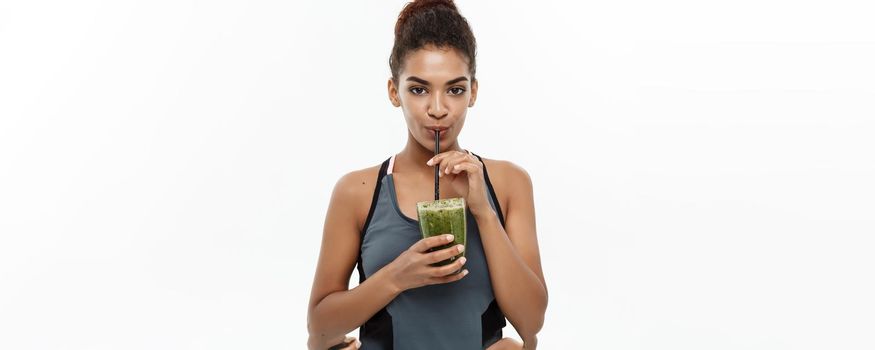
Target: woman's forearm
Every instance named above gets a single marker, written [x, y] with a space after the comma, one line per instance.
[519, 292]
[341, 312]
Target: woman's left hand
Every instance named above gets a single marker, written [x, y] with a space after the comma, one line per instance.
[465, 174]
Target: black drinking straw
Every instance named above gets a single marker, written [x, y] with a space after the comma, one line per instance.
[437, 148]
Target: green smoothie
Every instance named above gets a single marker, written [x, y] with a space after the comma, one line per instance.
[443, 216]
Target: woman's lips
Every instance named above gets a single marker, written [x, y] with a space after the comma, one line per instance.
[443, 133]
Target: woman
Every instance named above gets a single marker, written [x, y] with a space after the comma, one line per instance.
[402, 302]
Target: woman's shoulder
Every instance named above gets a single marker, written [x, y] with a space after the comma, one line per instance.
[355, 190]
[356, 179]
[508, 179]
[504, 171]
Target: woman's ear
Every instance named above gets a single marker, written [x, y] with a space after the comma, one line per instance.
[393, 93]
[473, 93]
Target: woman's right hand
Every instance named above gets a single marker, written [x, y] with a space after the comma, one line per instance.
[413, 268]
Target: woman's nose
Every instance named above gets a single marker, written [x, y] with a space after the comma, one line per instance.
[436, 109]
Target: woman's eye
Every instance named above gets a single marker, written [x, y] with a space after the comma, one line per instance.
[458, 91]
[416, 90]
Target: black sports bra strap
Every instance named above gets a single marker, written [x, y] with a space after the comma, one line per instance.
[491, 191]
[374, 199]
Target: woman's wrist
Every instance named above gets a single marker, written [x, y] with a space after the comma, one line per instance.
[384, 277]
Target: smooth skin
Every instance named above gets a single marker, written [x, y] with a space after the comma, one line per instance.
[434, 89]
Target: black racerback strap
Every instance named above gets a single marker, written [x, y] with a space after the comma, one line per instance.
[491, 191]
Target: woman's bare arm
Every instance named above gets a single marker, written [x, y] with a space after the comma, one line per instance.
[514, 259]
[334, 309]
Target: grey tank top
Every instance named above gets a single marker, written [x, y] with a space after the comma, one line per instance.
[458, 315]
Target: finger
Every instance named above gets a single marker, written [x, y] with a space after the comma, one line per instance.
[349, 343]
[446, 270]
[427, 243]
[438, 159]
[352, 346]
[450, 278]
[466, 167]
[469, 159]
[447, 163]
[355, 344]
[438, 162]
[444, 254]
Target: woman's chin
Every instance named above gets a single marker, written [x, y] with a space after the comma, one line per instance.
[445, 145]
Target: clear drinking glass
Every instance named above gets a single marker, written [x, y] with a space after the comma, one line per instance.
[444, 216]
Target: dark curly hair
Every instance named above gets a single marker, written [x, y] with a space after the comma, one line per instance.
[435, 22]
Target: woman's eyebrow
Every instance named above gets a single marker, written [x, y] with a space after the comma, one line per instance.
[425, 82]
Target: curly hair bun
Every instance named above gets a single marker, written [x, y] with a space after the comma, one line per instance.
[416, 6]
[431, 22]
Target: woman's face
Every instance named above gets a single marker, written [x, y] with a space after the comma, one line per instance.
[434, 91]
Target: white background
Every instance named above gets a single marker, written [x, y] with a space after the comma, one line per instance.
[703, 171]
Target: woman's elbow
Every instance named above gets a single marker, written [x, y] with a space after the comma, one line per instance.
[537, 322]
[315, 328]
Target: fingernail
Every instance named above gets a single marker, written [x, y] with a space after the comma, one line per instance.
[461, 248]
[449, 237]
[465, 272]
[462, 260]
[429, 162]
[358, 344]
